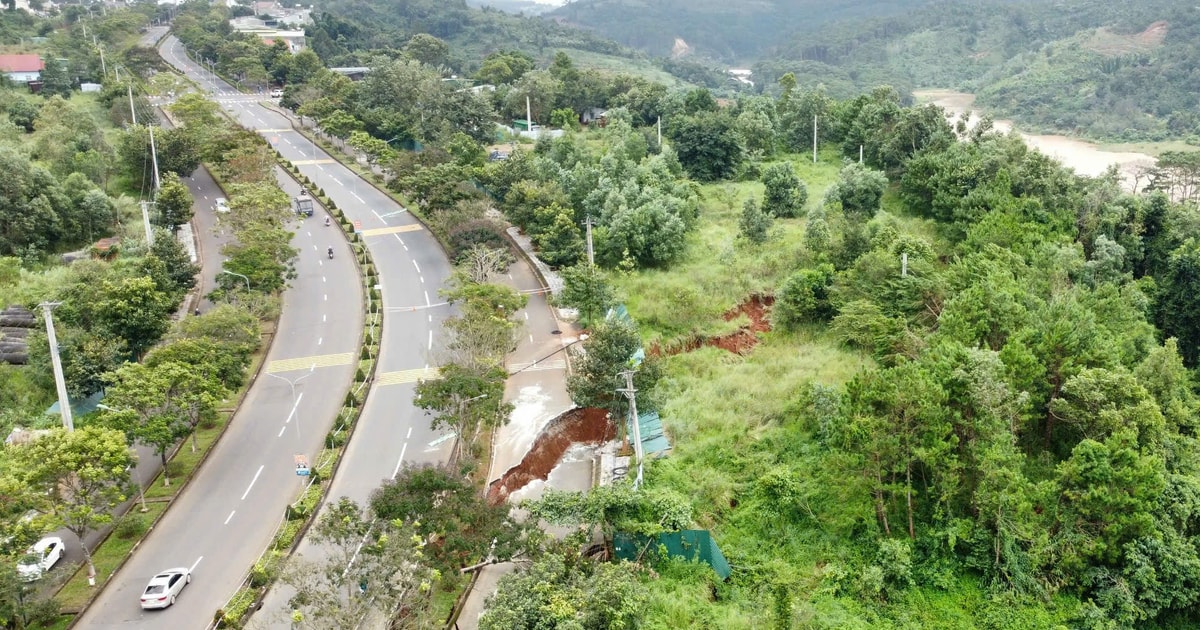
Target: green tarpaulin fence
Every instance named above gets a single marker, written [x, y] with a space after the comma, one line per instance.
[696, 545]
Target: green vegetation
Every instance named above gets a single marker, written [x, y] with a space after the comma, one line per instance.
[731, 32]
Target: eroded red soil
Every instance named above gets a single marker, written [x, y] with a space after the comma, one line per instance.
[756, 308]
[577, 426]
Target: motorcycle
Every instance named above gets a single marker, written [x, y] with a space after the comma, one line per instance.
[331, 253]
[326, 221]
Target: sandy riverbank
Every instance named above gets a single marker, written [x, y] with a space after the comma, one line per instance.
[1084, 157]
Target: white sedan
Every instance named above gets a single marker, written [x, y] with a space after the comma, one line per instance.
[165, 587]
[40, 558]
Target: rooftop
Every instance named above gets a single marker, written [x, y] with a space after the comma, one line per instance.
[21, 63]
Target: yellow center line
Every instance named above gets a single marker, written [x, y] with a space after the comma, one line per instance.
[303, 363]
[405, 376]
[388, 230]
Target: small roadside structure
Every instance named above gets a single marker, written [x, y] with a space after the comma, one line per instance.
[22, 68]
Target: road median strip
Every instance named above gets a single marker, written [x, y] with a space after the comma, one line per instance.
[300, 515]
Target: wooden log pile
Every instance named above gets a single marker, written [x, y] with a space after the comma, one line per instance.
[15, 324]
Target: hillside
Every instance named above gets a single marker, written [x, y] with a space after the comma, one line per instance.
[348, 32]
[1109, 71]
[732, 32]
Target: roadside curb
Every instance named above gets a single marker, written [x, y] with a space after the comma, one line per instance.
[368, 340]
[341, 159]
[184, 484]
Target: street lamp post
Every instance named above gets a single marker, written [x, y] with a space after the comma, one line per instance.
[234, 273]
[292, 385]
[141, 490]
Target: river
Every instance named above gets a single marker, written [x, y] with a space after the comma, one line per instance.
[1084, 157]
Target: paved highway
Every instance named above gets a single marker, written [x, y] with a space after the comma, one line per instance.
[412, 268]
[226, 517]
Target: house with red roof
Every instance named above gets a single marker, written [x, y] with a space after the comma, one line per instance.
[22, 68]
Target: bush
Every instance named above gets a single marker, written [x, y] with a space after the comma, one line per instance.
[804, 298]
[260, 575]
[131, 526]
[485, 232]
[335, 439]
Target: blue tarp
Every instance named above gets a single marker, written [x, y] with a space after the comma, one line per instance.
[653, 438]
[79, 407]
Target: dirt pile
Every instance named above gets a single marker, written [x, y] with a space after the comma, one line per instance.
[741, 341]
[577, 426]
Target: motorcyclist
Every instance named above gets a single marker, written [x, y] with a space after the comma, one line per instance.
[326, 221]
[331, 252]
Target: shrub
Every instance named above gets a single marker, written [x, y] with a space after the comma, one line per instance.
[804, 298]
[485, 232]
[260, 575]
[131, 526]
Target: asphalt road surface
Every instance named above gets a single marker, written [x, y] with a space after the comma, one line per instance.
[412, 268]
[225, 518]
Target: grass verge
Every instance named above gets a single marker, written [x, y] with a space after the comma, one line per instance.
[107, 557]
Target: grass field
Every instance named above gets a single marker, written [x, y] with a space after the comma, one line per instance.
[734, 421]
[719, 270]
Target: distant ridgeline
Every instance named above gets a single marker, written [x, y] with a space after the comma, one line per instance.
[731, 32]
[1107, 70]
[346, 32]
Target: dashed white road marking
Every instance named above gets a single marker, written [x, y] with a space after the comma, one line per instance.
[260, 469]
[229, 518]
[400, 461]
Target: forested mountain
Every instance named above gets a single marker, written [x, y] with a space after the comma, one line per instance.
[346, 32]
[1100, 69]
[1106, 70]
[729, 31]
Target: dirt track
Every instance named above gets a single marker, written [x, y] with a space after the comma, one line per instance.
[1085, 157]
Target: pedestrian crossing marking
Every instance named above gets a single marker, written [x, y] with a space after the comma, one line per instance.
[391, 230]
[304, 363]
[405, 376]
[536, 367]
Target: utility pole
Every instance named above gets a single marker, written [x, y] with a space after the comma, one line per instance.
[146, 223]
[154, 158]
[591, 255]
[631, 394]
[103, 66]
[529, 115]
[814, 138]
[132, 113]
[904, 265]
[660, 132]
[64, 402]
[860, 153]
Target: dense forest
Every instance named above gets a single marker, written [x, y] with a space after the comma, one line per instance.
[733, 32]
[1104, 70]
[1109, 71]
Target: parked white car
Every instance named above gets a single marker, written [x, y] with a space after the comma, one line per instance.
[40, 558]
[165, 587]
[222, 205]
[277, 93]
